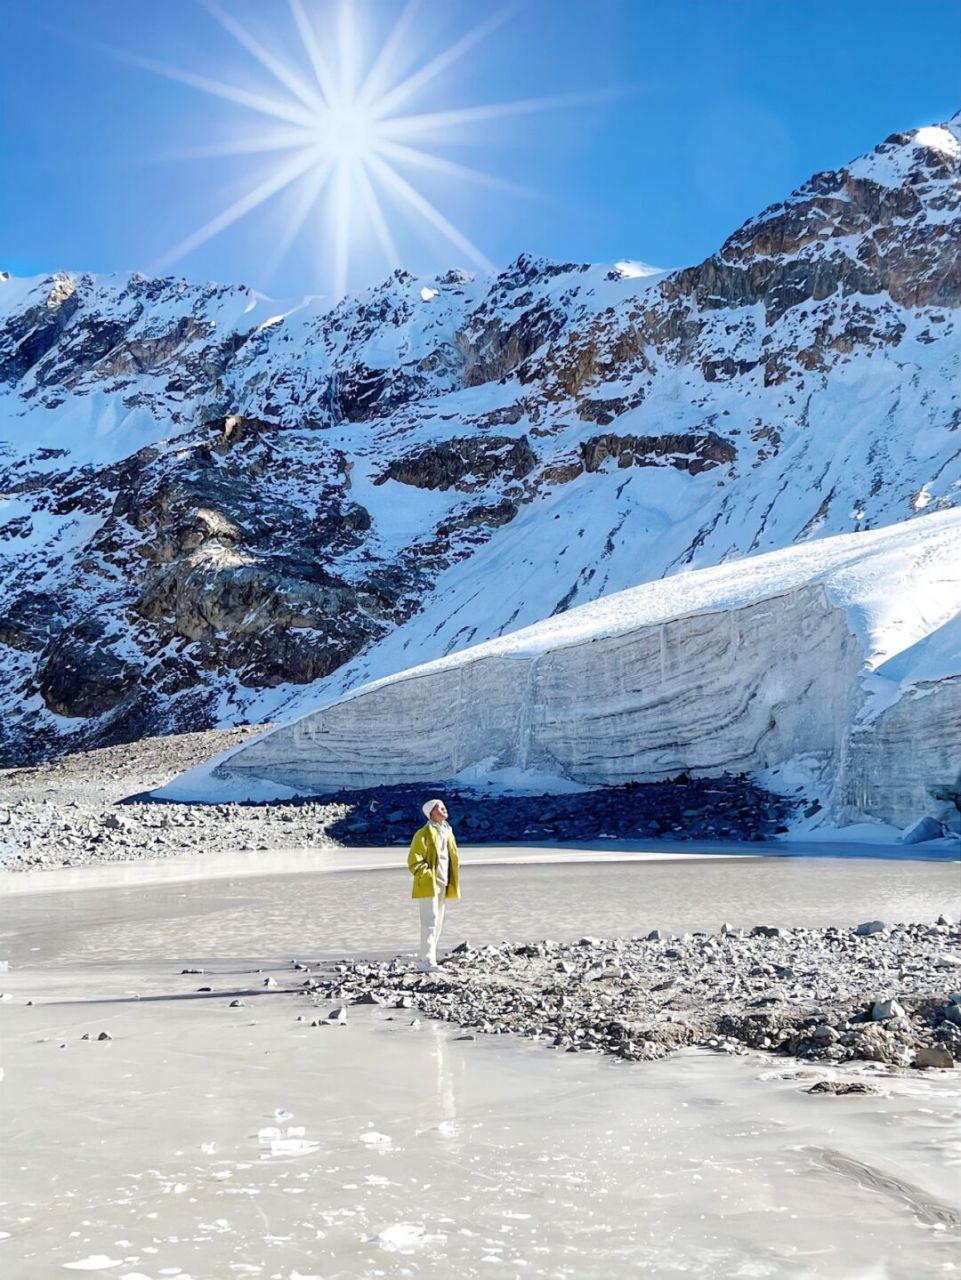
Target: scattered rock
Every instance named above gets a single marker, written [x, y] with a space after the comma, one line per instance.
[883, 1009]
[66, 812]
[813, 994]
[931, 1055]
[338, 1015]
[869, 927]
[841, 1087]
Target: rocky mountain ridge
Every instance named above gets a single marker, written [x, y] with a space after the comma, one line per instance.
[210, 502]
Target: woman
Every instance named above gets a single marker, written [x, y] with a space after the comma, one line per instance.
[434, 864]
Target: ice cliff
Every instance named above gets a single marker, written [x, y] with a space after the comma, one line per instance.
[842, 656]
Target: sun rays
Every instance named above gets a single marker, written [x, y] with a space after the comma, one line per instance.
[338, 137]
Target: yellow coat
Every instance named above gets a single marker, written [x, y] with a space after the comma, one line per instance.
[422, 861]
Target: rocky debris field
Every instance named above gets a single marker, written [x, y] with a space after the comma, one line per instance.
[93, 806]
[880, 993]
[730, 807]
[71, 811]
[106, 775]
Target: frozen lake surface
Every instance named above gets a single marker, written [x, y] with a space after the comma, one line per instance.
[360, 902]
[209, 1142]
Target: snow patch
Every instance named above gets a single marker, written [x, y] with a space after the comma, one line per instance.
[634, 269]
[486, 775]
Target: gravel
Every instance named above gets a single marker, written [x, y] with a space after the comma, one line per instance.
[93, 807]
[807, 993]
[77, 810]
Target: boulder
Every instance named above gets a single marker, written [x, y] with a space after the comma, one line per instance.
[840, 1088]
[881, 1010]
[933, 1056]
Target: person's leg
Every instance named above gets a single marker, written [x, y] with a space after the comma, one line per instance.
[441, 901]
[431, 918]
[426, 926]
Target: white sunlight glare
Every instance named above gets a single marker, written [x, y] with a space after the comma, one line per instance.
[336, 130]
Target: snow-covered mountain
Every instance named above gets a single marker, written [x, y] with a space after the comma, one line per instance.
[215, 508]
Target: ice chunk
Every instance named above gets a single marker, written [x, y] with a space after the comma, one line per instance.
[375, 1139]
[405, 1236]
[924, 829]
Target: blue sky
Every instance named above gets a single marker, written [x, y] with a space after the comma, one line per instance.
[673, 122]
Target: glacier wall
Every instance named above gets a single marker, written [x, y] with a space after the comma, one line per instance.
[740, 689]
[894, 767]
[842, 656]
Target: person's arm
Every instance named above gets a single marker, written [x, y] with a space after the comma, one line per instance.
[417, 858]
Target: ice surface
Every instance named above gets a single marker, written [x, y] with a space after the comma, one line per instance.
[505, 1157]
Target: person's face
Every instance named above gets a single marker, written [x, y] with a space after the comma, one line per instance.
[439, 812]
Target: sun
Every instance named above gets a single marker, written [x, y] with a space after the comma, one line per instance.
[339, 136]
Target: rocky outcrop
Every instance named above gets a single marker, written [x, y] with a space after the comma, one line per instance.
[81, 675]
[466, 463]
[692, 453]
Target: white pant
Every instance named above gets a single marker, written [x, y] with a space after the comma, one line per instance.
[431, 923]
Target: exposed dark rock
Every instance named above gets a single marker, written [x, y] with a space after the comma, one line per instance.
[29, 621]
[492, 517]
[27, 338]
[693, 453]
[81, 675]
[839, 1088]
[728, 807]
[463, 463]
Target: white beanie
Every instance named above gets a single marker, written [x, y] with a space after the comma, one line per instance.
[428, 808]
